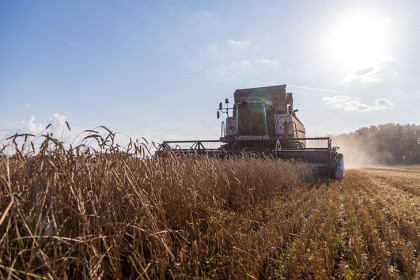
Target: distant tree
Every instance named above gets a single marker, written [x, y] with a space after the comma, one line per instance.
[387, 143]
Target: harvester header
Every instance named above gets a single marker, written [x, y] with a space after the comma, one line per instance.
[263, 121]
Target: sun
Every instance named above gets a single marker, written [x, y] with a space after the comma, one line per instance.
[359, 39]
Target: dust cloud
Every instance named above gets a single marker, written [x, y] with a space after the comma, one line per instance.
[360, 152]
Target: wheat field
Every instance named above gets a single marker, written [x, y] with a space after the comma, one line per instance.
[112, 213]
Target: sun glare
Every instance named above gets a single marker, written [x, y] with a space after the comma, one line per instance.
[359, 40]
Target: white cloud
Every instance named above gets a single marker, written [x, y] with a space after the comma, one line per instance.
[227, 50]
[245, 66]
[366, 74]
[29, 126]
[336, 101]
[267, 61]
[352, 104]
[236, 57]
[370, 72]
[27, 105]
[238, 44]
[57, 121]
[383, 103]
[57, 127]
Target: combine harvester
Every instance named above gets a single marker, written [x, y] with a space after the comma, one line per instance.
[262, 121]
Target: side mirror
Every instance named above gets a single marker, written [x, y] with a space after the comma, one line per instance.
[226, 101]
[220, 106]
[294, 111]
[218, 114]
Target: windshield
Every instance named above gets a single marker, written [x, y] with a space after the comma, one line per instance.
[251, 119]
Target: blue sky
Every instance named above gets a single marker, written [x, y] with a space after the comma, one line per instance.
[159, 68]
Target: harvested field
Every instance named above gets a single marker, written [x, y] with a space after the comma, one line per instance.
[85, 214]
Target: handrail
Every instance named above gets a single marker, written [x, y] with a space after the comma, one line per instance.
[286, 139]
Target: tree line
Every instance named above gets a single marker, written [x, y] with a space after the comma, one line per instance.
[384, 144]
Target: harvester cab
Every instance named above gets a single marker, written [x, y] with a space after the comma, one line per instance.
[263, 121]
[262, 113]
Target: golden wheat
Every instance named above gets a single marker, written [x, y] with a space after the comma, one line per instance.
[98, 211]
